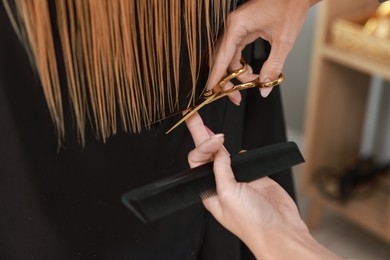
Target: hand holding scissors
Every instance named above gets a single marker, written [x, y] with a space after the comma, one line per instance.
[277, 22]
[211, 95]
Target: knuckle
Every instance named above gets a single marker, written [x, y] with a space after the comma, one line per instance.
[232, 19]
[273, 67]
[235, 24]
[285, 42]
[190, 156]
[276, 65]
[224, 195]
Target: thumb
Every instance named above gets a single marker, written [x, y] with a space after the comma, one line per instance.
[224, 176]
[273, 67]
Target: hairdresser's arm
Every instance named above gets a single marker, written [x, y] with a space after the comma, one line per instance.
[260, 213]
[276, 21]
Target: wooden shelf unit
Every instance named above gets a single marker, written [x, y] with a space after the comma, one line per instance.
[335, 116]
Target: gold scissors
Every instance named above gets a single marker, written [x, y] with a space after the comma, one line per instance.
[211, 95]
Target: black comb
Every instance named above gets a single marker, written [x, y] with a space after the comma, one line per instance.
[187, 188]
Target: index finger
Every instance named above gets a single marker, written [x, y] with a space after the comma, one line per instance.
[198, 130]
[223, 58]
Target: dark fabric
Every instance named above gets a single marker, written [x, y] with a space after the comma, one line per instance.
[66, 204]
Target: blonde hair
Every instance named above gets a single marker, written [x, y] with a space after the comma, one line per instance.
[121, 57]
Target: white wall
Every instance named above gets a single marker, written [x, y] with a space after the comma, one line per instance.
[296, 70]
[382, 145]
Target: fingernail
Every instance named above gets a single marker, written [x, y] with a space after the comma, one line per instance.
[217, 136]
[264, 92]
[236, 102]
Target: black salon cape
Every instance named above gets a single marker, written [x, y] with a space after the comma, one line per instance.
[67, 204]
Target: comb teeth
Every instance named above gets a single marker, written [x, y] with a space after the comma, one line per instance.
[177, 198]
[187, 188]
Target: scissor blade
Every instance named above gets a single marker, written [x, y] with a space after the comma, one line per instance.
[180, 121]
[191, 112]
[169, 116]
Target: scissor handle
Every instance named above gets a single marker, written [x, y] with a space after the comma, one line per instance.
[217, 92]
[251, 84]
[259, 84]
[231, 75]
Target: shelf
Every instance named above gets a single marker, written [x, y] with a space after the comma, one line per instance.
[369, 213]
[357, 62]
[336, 110]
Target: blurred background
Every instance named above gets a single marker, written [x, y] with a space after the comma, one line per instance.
[336, 101]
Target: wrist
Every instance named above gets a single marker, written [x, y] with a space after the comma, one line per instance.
[314, 2]
[269, 244]
[287, 245]
[307, 4]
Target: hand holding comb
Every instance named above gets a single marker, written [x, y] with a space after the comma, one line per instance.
[167, 196]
